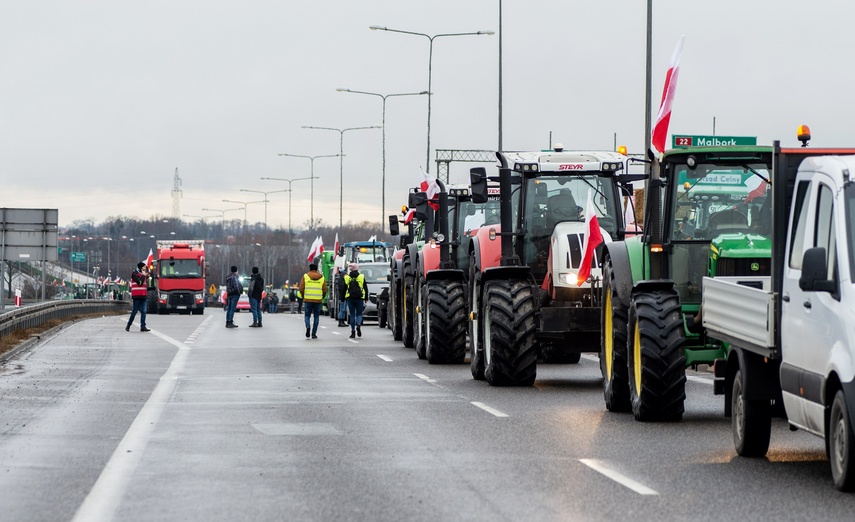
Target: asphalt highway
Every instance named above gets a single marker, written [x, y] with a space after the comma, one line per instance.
[193, 421]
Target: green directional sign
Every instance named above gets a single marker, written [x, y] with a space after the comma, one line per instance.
[696, 140]
[78, 257]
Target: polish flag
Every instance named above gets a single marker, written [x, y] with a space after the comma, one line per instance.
[336, 245]
[409, 216]
[593, 238]
[663, 119]
[150, 259]
[430, 187]
[313, 250]
[320, 245]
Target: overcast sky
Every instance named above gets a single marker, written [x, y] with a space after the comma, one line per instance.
[100, 101]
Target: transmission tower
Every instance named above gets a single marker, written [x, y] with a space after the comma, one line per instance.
[176, 196]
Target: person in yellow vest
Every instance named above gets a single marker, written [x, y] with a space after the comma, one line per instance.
[356, 295]
[313, 288]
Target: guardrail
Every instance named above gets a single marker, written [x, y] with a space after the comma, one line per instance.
[38, 314]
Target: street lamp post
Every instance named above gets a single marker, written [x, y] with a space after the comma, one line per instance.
[430, 66]
[265, 250]
[341, 162]
[312, 177]
[383, 125]
[265, 201]
[223, 231]
[245, 204]
[290, 236]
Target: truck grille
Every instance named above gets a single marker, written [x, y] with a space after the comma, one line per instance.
[181, 299]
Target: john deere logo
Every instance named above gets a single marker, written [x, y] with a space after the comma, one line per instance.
[755, 267]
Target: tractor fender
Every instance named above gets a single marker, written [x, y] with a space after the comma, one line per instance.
[445, 274]
[621, 268]
[488, 253]
[506, 272]
[429, 258]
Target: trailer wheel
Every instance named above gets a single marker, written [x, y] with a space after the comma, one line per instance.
[419, 320]
[656, 362]
[445, 322]
[476, 332]
[751, 421]
[840, 440]
[408, 303]
[510, 350]
[613, 365]
[395, 307]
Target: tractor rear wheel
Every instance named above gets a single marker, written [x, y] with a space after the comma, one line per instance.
[613, 364]
[445, 322]
[510, 350]
[408, 302]
[657, 365]
[419, 319]
[751, 421]
[395, 309]
[476, 332]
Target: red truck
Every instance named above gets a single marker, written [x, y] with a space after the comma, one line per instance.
[179, 276]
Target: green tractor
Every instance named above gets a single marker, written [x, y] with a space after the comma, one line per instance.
[704, 216]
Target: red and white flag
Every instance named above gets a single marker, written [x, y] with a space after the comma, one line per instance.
[593, 237]
[430, 187]
[313, 250]
[336, 245]
[663, 119]
[409, 216]
[320, 245]
[150, 259]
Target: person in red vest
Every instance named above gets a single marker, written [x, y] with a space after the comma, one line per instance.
[139, 295]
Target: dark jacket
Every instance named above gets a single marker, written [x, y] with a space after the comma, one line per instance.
[256, 286]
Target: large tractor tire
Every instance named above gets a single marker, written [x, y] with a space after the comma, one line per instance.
[408, 303]
[476, 330]
[445, 322]
[841, 438]
[613, 363]
[419, 319]
[657, 365]
[395, 310]
[751, 421]
[510, 350]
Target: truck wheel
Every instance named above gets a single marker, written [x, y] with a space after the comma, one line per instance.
[510, 350]
[408, 303]
[395, 307]
[476, 332]
[751, 421]
[419, 320]
[613, 363]
[656, 362]
[840, 440]
[445, 322]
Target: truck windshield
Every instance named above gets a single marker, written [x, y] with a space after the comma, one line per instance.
[180, 268]
[716, 199]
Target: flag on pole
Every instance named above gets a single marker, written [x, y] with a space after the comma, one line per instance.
[149, 261]
[593, 237]
[663, 119]
[337, 245]
[373, 238]
[409, 216]
[430, 187]
[312, 250]
[320, 245]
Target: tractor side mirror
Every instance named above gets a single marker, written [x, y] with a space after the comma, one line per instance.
[478, 184]
[418, 201]
[394, 229]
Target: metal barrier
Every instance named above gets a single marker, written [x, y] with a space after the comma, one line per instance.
[38, 314]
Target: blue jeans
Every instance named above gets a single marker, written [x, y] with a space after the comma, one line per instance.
[312, 309]
[272, 308]
[355, 307]
[342, 306]
[231, 306]
[141, 306]
[255, 310]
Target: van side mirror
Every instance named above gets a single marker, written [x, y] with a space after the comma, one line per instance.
[394, 229]
[815, 272]
[478, 184]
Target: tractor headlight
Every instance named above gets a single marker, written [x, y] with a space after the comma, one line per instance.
[567, 278]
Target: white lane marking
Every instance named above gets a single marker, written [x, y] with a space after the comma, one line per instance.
[353, 341]
[623, 480]
[387, 359]
[198, 331]
[335, 333]
[424, 377]
[105, 496]
[492, 411]
[699, 379]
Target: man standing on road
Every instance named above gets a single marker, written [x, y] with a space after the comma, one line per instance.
[139, 295]
[341, 293]
[313, 288]
[233, 291]
[256, 289]
[356, 295]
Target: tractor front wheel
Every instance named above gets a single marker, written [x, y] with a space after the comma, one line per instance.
[509, 326]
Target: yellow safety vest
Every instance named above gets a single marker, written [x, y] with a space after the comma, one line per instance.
[314, 289]
[360, 280]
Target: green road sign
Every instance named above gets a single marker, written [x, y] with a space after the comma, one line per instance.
[78, 257]
[690, 140]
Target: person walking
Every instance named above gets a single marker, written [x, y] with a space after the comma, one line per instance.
[256, 290]
[341, 293]
[356, 295]
[313, 288]
[292, 298]
[233, 291]
[274, 303]
[139, 295]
